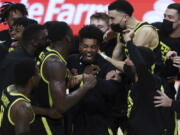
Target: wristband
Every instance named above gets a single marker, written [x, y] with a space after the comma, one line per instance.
[103, 55]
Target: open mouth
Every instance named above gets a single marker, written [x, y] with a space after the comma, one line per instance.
[89, 56]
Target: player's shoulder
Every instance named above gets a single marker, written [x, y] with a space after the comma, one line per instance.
[147, 28]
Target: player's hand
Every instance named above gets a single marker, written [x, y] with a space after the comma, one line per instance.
[176, 61]
[171, 54]
[128, 35]
[128, 62]
[109, 34]
[92, 69]
[162, 100]
[74, 71]
[89, 81]
[113, 75]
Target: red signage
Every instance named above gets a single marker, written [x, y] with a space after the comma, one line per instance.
[77, 12]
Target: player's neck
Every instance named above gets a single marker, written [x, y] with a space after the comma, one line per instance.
[132, 23]
[61, 47]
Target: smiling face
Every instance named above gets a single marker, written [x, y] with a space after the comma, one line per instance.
[117, 18]
[16, 32]
[89, 48]
[101, 24]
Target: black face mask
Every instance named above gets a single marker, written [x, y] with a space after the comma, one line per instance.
[117, 28]
[166, 27]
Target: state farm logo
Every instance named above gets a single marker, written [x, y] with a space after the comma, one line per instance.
[73, 14]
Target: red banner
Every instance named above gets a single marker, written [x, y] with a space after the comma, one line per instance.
[77, 12]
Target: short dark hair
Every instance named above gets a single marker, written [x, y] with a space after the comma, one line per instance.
[31, 32]
[100, 15]
[122, 6]
[24, 70]
[175, 6]
[24, 21]
[7, 7]
[57, 30]
[91, 32]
